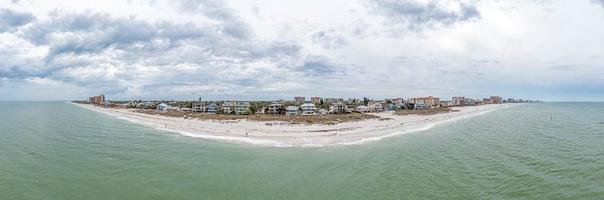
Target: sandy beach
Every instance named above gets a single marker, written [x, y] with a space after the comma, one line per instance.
[282, 134]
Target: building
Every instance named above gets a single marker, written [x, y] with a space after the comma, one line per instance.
[446, 103]
[375, 107]
[469, 102]
[309, 109]
[292, 110]
[397, 101]
[496, 99]
[163, 107]
[98, 100]
[430, 101]
[362, 109]
[333, 100]
[227, 107]
[199, 107]
[299, 100]
[337, 108]
[420, 106]
[212, 108]
[315, 100]
[458, 101]
[275, 108]
[242, 108]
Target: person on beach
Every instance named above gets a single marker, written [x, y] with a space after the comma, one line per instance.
[245, 134]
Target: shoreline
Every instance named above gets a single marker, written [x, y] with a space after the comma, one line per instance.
[297, 135]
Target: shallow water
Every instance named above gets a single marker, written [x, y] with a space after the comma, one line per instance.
[56, 150]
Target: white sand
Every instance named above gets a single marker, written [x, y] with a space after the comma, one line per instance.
[283, 134]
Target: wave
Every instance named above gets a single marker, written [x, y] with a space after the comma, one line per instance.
[422, 128]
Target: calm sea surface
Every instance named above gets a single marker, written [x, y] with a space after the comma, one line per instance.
[538, 151]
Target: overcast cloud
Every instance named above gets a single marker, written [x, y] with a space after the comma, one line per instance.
[264, 49]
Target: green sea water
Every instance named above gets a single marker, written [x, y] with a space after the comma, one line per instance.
[54, 150]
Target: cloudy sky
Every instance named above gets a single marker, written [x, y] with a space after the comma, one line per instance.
[265, 49]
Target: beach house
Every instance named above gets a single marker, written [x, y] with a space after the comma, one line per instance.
[242, 108]
[337, 108]
[309, 109]
[420, 106]
[292, 110]
[212, 108]
[362, 109]
[227, 107]
[199, 107]
[275, 108]
[162, 107]
[375, 107]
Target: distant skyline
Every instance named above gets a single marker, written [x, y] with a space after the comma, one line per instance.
[262, 49]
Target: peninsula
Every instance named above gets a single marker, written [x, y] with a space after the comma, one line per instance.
[319, 122]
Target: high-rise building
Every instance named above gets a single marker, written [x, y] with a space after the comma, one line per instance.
[458, 101]
[299, 100]
[496, 99]
[98, 100]
[429, 101]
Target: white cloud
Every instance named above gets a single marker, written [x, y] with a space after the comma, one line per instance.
[271, 49]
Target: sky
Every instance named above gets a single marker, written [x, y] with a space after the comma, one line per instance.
[272, 49]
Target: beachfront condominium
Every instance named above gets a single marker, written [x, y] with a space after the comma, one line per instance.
[98, 100]
[495, 99]
[315, 100]
[227, 107]
[292, 110]
[333, 100]
[275, 108]
[458, 101]
[430, 101]
[242, 108]
[299, 100]
[199, 107]
[337, 108]
[309, 109]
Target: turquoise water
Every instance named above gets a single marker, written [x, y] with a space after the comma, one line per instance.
[538, 151]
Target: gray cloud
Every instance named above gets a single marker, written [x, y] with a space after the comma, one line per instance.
[416, 15]
[93, 32]
[10, 19]
[599, 2]
[318, 66]
[565, 68]
[217, 10]
[329, 39]
[132, 57]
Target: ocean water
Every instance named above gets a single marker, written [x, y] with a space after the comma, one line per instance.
[54, 150]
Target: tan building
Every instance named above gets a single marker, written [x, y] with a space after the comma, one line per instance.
[333, 100]
[97, 100]
[430, 101]
[496, 99]
[299, 100]
[315, 100]
[458, 101]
